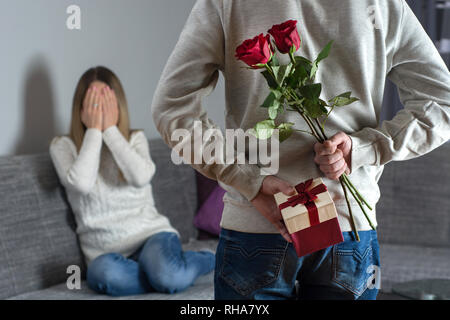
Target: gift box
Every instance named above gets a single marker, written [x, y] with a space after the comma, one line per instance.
[310, 217]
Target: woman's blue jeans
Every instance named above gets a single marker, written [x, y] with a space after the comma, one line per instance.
[265, 266]
[159, 265]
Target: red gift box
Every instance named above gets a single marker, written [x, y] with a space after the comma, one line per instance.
[310, 217]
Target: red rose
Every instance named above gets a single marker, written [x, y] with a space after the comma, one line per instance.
[255, 52]
[286, 35]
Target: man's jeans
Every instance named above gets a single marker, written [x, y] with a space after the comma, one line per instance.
[265, 266]
[159, 265]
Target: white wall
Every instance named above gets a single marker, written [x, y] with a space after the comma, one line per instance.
[41, 62]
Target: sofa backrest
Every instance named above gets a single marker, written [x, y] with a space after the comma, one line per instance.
[414, 208]
[37, 229]
[174, 190]
[37, 237]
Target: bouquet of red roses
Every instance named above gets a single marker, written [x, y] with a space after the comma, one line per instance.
[293, 89]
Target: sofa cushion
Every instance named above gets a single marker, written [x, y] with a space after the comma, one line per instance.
[210, 213]
[400, 263]
[203, 288]
[414, 208]
[37, 228]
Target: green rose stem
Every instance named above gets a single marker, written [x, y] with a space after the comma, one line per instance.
[304, 131]
[358, 194]
[311, 126]
[358, 197]
[346, 181]
[321, 129]
[344, 184]
[341, 180]
[359, 202]
[322, 137]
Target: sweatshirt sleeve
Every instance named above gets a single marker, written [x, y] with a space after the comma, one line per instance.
[423, 82]
[133, 158]
[77, 172]
[191, 74]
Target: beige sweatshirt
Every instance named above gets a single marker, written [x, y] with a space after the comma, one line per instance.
[374, 39]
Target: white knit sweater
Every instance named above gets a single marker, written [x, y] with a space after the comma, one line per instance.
[111, 216]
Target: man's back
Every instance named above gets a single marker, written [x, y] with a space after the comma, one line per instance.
[372, 39]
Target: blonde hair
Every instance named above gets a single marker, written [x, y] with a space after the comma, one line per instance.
[77, 127]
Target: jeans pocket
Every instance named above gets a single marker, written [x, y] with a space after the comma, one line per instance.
[247, 267]
[353, 262]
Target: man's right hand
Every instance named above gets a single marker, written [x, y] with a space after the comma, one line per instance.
[265, 203]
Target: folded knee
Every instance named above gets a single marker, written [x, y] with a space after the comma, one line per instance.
[170, 282]
[168, 277]
[101, 273]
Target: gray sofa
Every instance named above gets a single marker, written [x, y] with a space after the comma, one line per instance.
[38, 240]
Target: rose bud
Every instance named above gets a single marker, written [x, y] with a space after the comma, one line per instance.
[286, 35]
[255, 52]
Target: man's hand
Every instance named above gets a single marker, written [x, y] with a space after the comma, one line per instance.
[265, 203]
[334, 155]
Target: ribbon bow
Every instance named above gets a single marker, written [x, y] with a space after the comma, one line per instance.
[307, 198]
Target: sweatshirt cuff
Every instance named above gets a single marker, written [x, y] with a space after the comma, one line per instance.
[363, 151]
[247, 180]
[93, 136]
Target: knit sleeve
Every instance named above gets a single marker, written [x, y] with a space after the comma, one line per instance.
[77, 172]
[423, 81]
[133, 157]
[191, 74]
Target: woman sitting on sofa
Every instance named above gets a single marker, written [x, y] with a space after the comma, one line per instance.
[106, 170]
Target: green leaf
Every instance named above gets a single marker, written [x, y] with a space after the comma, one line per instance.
[345, 94]
[343, 99]
[302, 59]
[313, 108]
[314, 69]
[325, 52]
[274, 61]
[340, 102]
[281, 72]
[285, 131]
[322, 55]
[264, 129]
[273, 102]
[298, 77]
[273, 99]
[270, 80]
[323, 104]
[305, 63]
[273, 112]
[311, 91]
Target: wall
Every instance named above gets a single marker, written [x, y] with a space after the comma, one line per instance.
[42, 60]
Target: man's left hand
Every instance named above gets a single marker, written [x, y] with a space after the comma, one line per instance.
[334, 155]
